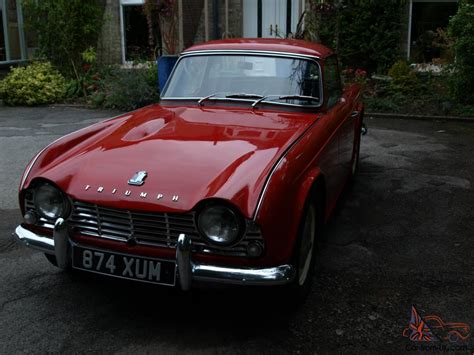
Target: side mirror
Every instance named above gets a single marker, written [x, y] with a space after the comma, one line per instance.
[165, 66]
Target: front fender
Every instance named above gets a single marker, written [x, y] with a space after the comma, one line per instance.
[281, 212]
[311, 177]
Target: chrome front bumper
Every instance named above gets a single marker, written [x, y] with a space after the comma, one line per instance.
[187, 270]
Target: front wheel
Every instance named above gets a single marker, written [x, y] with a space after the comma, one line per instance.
[355, 153]
[305, 252]
[306, 246]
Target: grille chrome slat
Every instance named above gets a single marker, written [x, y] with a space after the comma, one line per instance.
[151, 224]
[181, 225]
[85, 215]
[119, 224]
[158, 219]
[162, 231]
[116, 216]
[162, 238]
[125, 234]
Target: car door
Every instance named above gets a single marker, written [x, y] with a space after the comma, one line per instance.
[339, 110]
[348, 130]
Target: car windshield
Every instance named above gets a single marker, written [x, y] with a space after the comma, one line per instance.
[246, 77]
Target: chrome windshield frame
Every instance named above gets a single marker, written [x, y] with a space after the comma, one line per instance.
[313, 59]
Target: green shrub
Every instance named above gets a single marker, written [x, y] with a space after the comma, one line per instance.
[36, 84]
[382, 104]
[404, 79]
[461, 29]
[128, 89]
[463, 110]
[65, 30]
[365, 34]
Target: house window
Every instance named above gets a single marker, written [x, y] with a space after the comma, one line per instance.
[12, 39]
[426, 18]
[135, 39]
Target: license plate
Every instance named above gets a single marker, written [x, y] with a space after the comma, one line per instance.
[124, 266]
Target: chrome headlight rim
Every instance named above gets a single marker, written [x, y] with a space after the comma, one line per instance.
[63, 206]
[239, 220]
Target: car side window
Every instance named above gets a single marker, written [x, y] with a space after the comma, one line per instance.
[333, 81]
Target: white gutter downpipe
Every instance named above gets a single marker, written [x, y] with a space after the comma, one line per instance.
[410, 15]
[206, 20]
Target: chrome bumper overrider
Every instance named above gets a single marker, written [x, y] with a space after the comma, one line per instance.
[188, 270]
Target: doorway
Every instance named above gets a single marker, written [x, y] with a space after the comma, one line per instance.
[271, 18]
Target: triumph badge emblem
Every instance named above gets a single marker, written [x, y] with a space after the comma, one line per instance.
[138, 179]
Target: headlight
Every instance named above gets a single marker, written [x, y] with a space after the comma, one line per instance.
[220, 225]
[50, 202]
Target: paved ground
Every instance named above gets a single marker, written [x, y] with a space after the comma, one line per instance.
[403, 236]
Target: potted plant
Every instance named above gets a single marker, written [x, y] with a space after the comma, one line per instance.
[164, 14]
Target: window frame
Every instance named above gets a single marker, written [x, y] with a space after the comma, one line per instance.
[123, 38]
[6, 35]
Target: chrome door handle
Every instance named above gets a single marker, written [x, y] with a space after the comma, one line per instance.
[354, 114]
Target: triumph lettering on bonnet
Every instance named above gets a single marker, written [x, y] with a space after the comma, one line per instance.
[129, 193]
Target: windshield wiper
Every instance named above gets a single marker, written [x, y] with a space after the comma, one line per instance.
[285, 97]
[244, 95]
[256, 102]
[299, 97]
[201, 100]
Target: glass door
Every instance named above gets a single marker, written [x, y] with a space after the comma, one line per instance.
[271, 18]
[274, 18]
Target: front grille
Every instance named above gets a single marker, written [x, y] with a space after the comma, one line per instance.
[145, 228]
[158, 229]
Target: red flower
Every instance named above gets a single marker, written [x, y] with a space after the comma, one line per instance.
[348, 71]
[360, 73]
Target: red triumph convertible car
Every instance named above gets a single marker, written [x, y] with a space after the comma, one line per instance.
[227, 180]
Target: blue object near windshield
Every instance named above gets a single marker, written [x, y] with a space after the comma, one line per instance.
[246, 77]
